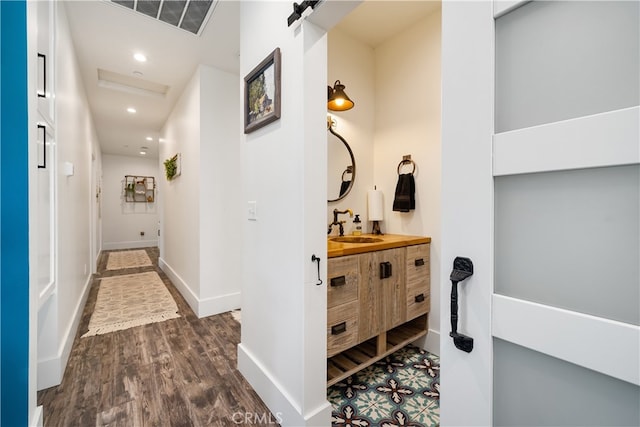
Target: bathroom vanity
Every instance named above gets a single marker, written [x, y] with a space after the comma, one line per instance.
[377, 299]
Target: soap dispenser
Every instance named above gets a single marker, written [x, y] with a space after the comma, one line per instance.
[358, 227]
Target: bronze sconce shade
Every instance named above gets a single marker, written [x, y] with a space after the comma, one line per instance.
[337, 99]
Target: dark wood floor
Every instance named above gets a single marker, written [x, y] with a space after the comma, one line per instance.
[181, 372]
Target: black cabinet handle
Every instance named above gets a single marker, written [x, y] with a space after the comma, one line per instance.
[385, 270]
[43, 165]
[339, 281]
[339, 328]
[419, 298]
[419, 262]
[41, 90]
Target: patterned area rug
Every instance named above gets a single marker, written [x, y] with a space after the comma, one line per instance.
[401, 390]
[128, 259]
[131, 300]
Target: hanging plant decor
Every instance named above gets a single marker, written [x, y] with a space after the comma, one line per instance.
[172, 167]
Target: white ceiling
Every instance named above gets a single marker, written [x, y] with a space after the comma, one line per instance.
[375, 21]
[107, 35]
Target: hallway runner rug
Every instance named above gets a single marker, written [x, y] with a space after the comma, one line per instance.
[131, 300]
[237, 315]
[128, 259]
[403, 389]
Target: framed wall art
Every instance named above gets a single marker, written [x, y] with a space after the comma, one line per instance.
[262, 93]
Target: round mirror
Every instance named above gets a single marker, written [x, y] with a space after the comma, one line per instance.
[341, 166]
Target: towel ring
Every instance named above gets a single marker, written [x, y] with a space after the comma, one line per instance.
[407, 162]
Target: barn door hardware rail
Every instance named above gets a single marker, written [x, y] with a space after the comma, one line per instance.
[298, 9]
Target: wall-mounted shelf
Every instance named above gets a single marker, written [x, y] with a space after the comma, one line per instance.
[139, 189]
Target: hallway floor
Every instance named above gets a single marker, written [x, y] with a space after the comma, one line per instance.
[180, 372]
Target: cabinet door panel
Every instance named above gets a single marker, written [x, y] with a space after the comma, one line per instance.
[369, 297]
[393, 288]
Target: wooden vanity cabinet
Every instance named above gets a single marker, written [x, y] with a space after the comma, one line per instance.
[377, 303]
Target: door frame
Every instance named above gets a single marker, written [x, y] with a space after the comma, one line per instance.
[466, 378]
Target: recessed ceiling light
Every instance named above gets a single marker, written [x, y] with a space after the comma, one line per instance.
[139, 57]
[131, 110]
[149, 138]
[143, 153]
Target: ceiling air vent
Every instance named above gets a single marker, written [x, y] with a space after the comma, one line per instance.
[189, 15]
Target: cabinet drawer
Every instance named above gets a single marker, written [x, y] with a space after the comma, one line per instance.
[418, 301]
[342, 280]
[417, 264]
[342, 327]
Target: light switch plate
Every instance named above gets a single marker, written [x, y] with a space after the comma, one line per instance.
[252, 211]
[68, 169]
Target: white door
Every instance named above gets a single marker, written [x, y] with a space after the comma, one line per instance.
[541, 190]
[45, 212]
[44, 175]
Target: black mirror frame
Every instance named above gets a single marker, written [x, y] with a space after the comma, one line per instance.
[353, 162]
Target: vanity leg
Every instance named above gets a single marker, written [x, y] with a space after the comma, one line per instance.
[382, 343]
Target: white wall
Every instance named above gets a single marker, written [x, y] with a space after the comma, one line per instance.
[353, 63]
[201, 210]
[76, 139]
[180, 198]
[408, 122]
[396, 89]
[122, 222]
[283, 348]
[221, 206]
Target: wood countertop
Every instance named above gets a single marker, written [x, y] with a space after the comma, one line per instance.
[389, 241]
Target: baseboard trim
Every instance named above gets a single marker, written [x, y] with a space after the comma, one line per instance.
[282, 406]
[180, 284]
[220, 304]
[201, 307]
[50, 371]
[109, 246]
[37, 419]
[431, 342]
[97, 261]
[320, 417]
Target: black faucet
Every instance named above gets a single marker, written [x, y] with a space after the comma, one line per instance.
[336, 212]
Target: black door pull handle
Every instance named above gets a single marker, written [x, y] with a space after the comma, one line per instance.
[315, 258]
[419, 262]
[462, 269]
[419, 298]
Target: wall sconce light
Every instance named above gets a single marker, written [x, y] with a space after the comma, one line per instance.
[337, 99]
